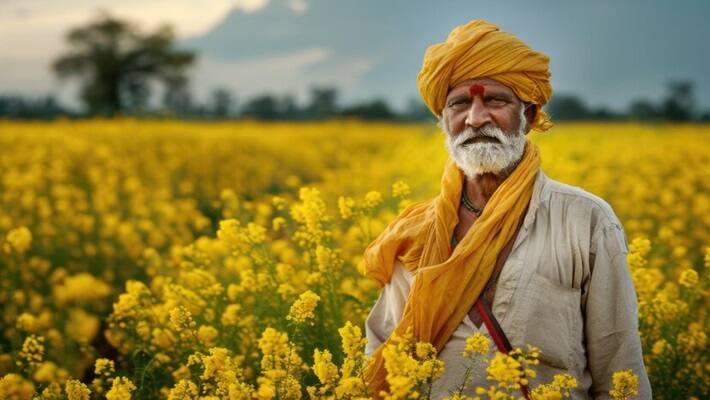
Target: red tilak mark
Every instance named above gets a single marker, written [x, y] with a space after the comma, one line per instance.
[476, 89]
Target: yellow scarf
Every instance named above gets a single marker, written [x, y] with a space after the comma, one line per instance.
[447, 284]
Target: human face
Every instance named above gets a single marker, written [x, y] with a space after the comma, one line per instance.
[486, 148]
[477, 102]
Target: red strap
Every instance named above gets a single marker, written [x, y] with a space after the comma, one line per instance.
[499, 338]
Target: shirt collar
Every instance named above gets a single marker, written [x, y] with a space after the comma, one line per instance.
[539, 190]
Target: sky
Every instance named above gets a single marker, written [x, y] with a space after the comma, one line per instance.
[608, 52]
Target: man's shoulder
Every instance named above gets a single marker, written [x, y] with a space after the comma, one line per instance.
[576, 201]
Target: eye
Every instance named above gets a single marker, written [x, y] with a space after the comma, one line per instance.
[458, 102]
[496, 101]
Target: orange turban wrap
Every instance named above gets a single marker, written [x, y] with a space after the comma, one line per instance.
[480, 49]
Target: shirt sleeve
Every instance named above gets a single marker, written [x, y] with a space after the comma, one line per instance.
[611, 316]
[387, 311]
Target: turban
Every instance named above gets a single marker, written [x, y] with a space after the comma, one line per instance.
[480, 49]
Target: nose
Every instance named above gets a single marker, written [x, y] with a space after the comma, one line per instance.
[477, 114]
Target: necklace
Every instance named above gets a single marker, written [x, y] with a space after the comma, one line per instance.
[469, 206]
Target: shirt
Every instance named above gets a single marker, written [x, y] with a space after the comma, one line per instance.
[564, 288]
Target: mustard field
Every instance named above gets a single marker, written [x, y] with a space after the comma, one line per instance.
[177, 260]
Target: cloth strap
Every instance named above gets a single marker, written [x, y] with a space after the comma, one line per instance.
[499, 338]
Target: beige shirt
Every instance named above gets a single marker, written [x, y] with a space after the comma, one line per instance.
[565, 288]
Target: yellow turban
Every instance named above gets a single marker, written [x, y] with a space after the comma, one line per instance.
[480, 49]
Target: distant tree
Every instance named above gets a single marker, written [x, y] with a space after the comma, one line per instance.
[116, 63]
[417, 111]
[177, 98]
[643, 110]
[603, 114]
[567, 107]
[705, 116]
[222, 103]
[679, 102]
[30, 108]
[262, 107]
[323, 104]
[372, 110]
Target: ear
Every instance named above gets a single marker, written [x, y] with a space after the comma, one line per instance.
[531, 113]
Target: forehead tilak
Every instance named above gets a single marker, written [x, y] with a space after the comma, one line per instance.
[476, 90]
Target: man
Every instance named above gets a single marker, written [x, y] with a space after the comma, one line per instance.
[502, 242]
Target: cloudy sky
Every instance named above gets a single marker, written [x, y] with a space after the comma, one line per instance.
[609, 52]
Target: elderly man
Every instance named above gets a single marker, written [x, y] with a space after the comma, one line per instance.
[503, 250]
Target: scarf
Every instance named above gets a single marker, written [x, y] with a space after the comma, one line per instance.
[446, 284]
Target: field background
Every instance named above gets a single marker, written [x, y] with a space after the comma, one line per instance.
[111, 232]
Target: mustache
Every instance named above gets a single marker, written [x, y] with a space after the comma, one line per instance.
[488, 131]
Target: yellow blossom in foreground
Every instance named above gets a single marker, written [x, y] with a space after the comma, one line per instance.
[15, 387]
[104, 367]
[625, 385]
[476, 344]
[352, 341]
[183, 389]
[121, 389]
[32, 351]
[76, 390]
[302, 309]
[324, 368]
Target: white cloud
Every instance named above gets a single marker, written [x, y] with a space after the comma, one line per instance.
[32, 31]
[298, 6]
[292, 73]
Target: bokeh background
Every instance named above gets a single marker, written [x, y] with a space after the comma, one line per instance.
[187, 188]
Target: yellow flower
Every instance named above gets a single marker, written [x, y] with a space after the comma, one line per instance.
[505, 369]
[183, 390]
[352, 341]
[345, 206]
[14, 387]
[207, 335]
[121, 389]
[26, 322]
[277, 223]
[625, 385]
[256, 233]
[32, 351]
[181, 319]
[323, 367]
[476, 344]
[373, 199]
[660, 347]
[230, 316]
[400, 189]
[81, 288]
[76, 390]
[689, 278]
[302, 309]
[18, 240]
[104, 367]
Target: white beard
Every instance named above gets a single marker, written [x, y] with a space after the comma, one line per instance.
[482, 157]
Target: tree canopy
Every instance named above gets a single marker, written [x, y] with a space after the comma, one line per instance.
[116, 63]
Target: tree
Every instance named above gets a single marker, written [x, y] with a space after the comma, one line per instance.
[643, 110]
[116, 62]
[679, 102]
[323, 102]
[222, 103]
[567, 107]
[372, 110]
